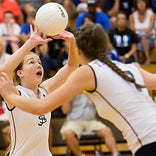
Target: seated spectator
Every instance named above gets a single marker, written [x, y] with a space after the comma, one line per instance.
[124, 39]
[81, 116]
[10, 31]
[96, 16]
[10, 5]
[142, 22]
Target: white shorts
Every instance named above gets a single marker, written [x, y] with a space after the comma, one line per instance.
[79, 126]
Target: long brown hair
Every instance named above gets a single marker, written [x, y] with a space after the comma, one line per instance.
[92, 40]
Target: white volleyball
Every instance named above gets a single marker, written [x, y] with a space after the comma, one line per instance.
[51, 18]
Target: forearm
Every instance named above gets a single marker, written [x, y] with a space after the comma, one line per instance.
[14, 60]
[24, 103]
[72, 56]
[114, 9]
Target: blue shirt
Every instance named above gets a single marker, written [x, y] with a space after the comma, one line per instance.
[100, 18]
[25, 29]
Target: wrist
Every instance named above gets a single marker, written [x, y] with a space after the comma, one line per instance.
[126, 56]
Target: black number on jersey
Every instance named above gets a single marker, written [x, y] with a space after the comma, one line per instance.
[42, 120]
[129, 73]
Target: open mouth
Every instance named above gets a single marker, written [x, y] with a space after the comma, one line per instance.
[39, 73]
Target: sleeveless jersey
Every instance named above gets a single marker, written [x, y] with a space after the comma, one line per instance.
[130, 109]
[29, 133]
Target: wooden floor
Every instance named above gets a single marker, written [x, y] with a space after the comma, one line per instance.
[61, 150]
[122, 147]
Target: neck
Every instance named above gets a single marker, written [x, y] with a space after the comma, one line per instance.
[33, 87]
[121, 28]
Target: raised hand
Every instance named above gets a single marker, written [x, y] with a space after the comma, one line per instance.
[36, 37]
[65, 35]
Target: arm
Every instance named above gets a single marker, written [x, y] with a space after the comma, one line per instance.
[131, 22]
[72, 64]
[151, 25]
[66, 107]
[34, 40]
[129, 53]
[114, 9]
[81, 79]
[149, 79]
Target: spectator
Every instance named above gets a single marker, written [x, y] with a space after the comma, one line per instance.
[142, 22]
[10, 31]
[124, 39]
[9, 5]
[112, 7]
[95, 16]
[81, 116]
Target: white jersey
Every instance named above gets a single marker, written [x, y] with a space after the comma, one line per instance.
[130, 109]
[29, 133]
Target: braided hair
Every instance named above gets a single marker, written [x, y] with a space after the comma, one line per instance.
[93, 41]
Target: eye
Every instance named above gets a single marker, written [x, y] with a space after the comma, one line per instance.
[31, 62]
[40, 63]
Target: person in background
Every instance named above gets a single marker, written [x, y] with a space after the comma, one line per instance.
[10, 31]
[95, 16]
[142, 22]
[123, 39]
[10, 5]
[81, 117]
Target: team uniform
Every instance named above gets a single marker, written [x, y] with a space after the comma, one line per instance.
[123, 104]
[29, 133]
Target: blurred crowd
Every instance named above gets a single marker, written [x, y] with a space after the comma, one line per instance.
[130, 26]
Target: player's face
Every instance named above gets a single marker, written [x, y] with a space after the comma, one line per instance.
[32, 70]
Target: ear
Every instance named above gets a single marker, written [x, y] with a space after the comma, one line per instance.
[19, 73]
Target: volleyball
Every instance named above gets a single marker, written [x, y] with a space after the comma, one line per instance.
[51, 18]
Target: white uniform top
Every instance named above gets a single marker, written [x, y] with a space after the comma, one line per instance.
[142, 26]
[29, 133]
[131, 110]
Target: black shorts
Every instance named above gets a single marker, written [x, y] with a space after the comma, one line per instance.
[147, 150]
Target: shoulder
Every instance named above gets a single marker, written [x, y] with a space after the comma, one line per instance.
[83, 76]
[82, 15]
[102, 14]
